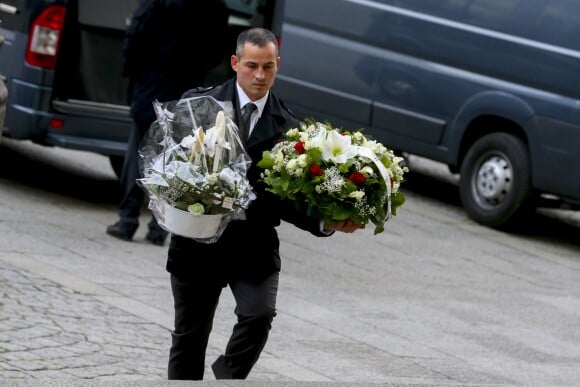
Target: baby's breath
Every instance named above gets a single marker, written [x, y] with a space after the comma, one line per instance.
[364, 209]
[334, 181]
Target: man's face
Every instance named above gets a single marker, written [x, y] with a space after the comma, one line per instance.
[256, 69]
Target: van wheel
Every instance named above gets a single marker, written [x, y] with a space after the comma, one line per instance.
[495, 181]
[117, 164]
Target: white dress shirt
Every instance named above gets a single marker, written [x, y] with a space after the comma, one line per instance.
[260, 103]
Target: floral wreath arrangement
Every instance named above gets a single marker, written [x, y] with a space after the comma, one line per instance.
[336, 174]
[194, 168]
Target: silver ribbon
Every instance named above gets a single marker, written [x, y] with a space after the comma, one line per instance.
[369, 154]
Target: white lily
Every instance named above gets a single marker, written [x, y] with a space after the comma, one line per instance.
[318, 140]
[194, 142]
[338, 148]
[215, 141]
[188, 142]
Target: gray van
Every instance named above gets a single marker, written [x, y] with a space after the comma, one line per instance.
[489, 87]
[62, 65]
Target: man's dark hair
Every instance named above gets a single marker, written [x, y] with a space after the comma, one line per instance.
[256, 36]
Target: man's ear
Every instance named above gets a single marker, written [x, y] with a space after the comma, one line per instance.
[234, 62]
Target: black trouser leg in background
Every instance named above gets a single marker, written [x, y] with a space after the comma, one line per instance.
[133, 195]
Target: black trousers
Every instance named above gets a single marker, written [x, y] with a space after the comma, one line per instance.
[195, 304]
[133, 195]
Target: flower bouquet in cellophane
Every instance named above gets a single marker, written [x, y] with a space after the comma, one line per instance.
[194, 168]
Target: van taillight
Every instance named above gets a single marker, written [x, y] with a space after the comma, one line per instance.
[45, 36]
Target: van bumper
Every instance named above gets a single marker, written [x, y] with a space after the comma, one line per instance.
[29, 116]
[26, 110]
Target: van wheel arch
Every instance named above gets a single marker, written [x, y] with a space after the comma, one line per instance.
[483, 125]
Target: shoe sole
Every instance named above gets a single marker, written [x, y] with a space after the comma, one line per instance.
[121, 237]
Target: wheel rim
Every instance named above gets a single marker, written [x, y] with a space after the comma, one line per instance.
[493, 181]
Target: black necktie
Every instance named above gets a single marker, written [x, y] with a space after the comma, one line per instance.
[247, 111]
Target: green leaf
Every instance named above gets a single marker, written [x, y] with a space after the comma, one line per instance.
[397, 200]
[267, 161]
[315, 156]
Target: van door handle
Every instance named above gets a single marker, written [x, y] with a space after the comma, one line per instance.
[8, 9]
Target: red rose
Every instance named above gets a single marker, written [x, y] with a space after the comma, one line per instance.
[357, 178]
[315, 170]
[299, 147]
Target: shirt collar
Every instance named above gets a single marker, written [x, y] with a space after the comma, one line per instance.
[244, 99]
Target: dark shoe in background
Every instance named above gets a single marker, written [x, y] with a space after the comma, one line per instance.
[156, 236]
[122, 230]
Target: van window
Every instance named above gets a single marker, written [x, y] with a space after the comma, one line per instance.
[491, 13]
[555, 22]
[559, 24]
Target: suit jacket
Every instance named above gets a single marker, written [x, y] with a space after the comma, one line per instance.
[247, 249]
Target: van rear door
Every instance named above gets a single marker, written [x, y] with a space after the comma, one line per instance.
[88, 86]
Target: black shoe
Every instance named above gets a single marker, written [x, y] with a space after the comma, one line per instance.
[122, 231]
[156, 236]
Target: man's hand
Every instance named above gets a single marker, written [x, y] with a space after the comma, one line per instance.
[347, 226]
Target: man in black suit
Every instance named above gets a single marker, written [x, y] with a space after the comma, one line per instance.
[167, 51]
[246, 257]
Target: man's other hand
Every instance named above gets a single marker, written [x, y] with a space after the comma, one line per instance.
[347, 226]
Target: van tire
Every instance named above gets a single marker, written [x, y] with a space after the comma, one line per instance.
[495, 181]
[117, 164]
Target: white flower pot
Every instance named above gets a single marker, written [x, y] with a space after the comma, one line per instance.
[188, 225]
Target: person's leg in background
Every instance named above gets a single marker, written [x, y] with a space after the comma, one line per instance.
[133, 194]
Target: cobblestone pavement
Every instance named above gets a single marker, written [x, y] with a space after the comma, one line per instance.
[50, 332]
